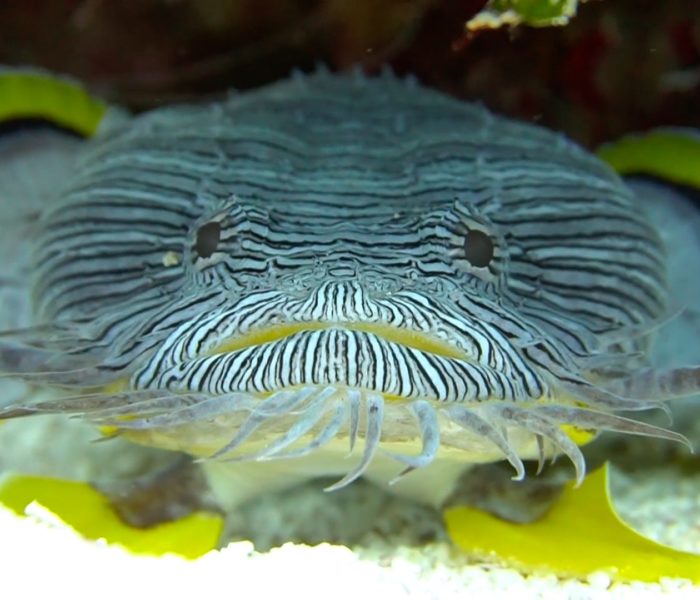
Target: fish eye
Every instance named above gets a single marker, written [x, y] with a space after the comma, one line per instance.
[207, 239]
[476, 245]
[479, 248]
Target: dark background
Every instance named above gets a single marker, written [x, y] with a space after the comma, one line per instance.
[619, 66]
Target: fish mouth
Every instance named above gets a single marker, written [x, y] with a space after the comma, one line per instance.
[396, 361]
[409, 338]
[285, 391]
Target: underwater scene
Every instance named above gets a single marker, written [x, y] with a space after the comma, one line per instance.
[334, 297]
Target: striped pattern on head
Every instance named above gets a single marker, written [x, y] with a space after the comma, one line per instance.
[333, 239]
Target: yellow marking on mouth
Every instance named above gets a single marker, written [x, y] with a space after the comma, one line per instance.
[405, 337]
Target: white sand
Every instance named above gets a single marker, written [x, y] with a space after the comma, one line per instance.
[40, 560]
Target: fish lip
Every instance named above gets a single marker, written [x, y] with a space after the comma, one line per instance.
[404, 336]
[393, 364]
[401, 362]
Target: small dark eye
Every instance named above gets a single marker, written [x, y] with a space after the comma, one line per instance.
[208, 236]
[478, 248]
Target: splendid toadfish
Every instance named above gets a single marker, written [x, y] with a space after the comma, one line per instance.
[344, 276]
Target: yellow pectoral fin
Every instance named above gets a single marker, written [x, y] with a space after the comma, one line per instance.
[580, 535]
[33, 94]
[88, 512]
[671, 154]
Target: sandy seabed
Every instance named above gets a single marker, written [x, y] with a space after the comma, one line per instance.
[41, 560]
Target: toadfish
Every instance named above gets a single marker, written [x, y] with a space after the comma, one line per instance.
[337, 275]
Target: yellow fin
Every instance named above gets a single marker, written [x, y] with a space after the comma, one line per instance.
[580, 535]
[671, 154]
[81, 507]
[579, 436]
[30, 94]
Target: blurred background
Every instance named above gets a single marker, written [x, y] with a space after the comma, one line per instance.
[618, 66]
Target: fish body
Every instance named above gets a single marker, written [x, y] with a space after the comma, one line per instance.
[333, 264]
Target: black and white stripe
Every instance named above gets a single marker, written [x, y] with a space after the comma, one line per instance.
[340, 201]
